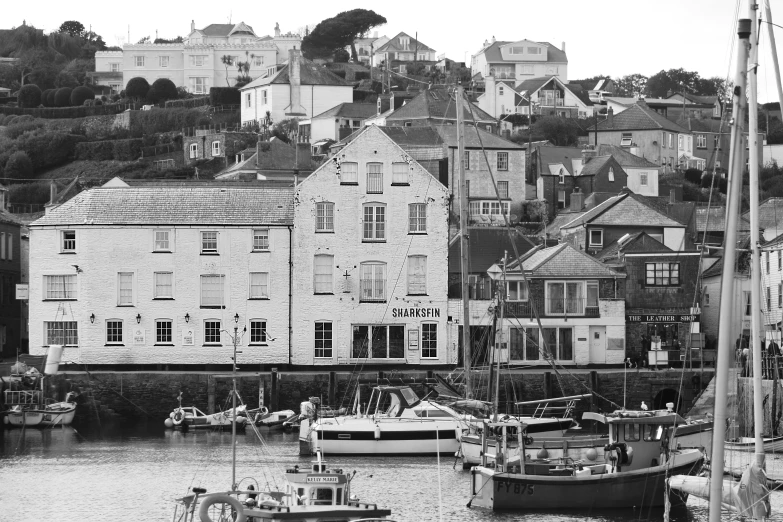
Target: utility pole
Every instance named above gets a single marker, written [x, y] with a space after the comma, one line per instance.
[464, 245]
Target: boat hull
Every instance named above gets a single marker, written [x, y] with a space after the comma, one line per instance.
[748, 444]
[641, 488]
[36, 418]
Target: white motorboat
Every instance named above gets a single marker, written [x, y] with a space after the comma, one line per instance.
[30, 410]
[191, 418]
[397, 422]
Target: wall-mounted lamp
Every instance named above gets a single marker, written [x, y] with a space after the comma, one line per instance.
[92, 318]
[236, 318]
[138, 318]
[187, 318]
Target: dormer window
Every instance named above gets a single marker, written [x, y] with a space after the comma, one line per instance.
[561, 176]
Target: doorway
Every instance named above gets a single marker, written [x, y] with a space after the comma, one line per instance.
[598, 344]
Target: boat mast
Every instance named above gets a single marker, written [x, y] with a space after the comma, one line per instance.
[499, 336]
[755, 269]
[734, 192]
[464, 246]
[235, 340]
[774, 49]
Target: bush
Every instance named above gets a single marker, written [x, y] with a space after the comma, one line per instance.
[20, 127]
[120, 150]
[80, 95]
[88, 103]
[29, 193]
[137, 87]
[361, 75]
[44, 97]
[340, 73]
[50, 98]
[18, 166]
[62, 98]
[161, 90]
[224, 96]
[29, 96]
[693, 175]
[48, 149]
[99, 102]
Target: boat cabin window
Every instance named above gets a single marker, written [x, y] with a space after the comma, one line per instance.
[339, 496]
[321, 496]
[300, 496]
[631, 432]
[409, 395]
[433, 413]
[653, 432]
[394, 406]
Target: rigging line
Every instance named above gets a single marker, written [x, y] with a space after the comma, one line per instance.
[548, 355]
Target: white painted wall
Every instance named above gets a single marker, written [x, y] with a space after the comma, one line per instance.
[102, 252]
[674, 238]
[343, 308]
[315, 99]
[635, 183]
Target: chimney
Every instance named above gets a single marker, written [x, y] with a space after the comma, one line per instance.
[192, 25]
[672, 196]
[587, 155]
[52, 196]
[295, 84]
[493, 39]
[610, 117]
[375, 34]
[577, 200]
[669, 93]
[563, 47]
[490, 93]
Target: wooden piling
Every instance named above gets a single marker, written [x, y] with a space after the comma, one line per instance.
[332, 388]
[274, 392]
[547, 385]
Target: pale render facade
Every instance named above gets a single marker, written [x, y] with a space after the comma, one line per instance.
[141, 276]
[370, 256]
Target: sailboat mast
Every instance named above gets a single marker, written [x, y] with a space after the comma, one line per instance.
[755, 259]
[774, 49]
[725, 350]
[499, 338]
[464, 246]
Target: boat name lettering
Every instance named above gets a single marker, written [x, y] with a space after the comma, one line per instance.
[331, 480]
[516, 487]
[416, 312]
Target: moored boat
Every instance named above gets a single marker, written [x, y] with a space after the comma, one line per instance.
[29, 409]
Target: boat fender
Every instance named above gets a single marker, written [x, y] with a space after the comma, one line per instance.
[168, 423]
[542, 454]
[178, 417]
[221, 498]
[528, 441]
[377, 432]
[458, 434]
[591, 454]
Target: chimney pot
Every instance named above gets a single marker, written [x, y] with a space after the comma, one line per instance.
[577, 200]
[192, 25]
[563, 47]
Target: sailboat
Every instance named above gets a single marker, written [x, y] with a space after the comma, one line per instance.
[316, 494]
[749, 496]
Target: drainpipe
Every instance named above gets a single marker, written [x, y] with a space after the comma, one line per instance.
[290, 289]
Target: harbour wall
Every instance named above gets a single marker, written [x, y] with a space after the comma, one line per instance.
[153, 395]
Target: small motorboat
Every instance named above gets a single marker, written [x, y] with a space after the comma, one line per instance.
[190, 417]
[263, 418]
[28, 409]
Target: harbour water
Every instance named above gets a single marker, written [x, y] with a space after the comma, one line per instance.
[68, 474]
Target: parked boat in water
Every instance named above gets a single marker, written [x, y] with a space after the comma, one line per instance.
[637, 459]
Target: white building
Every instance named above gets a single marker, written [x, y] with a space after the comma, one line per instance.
[519, 61]
[371, 256]
[772, 285]
[156, 275]
[299, 89]
[196, 64]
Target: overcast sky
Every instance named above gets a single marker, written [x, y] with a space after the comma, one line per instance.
[607, 37]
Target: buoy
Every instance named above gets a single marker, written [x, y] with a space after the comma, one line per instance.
[178, 417]
[221, 498]
[591, 454]
[542, 454]
[377, 432]
[168, 423]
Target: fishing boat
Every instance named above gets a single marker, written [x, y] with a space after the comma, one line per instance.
[397, 422]
[638, 456]
[192, 418]
[318, 494]
[30, 408]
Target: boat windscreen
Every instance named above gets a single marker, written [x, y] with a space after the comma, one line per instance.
[409, 395]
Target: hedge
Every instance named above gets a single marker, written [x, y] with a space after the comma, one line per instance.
[66, 112]
[62, 98]
[81, 94]
[188, 103]
[224, 96]
[161, 90]
[137, 87]
[29, 95]
[120, 150]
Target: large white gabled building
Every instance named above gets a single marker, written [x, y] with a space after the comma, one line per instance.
[370, 258]
[156, 275]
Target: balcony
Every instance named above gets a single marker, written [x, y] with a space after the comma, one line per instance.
[372, 291]
[478, 291]
[553, 308]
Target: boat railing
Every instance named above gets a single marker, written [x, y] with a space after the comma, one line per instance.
[362, 505]
[23, 397]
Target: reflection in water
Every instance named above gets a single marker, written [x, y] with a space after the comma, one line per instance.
[136, 473]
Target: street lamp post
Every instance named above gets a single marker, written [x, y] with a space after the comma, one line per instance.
[235, 341]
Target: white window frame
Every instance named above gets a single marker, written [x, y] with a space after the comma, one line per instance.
[643, 179]
[260, 326]
[521, 291]
[324, 217]
[561, 176]
[198, 60]
[374, 177]
[52, 284]
[323, 274]
[67, 241]
[502, 161]
[417, 218]
[349, 173]
[158, 289]
[205, 239]
[626, 139]
[70, 330]
[374, 350]
[503, 189]
[162, 240]
[221, 278]
[590, 241]
[258, 285]
[263, 97]
[400, 173]
[209, 339]
[374, 229]
[668, 269]
[429, 346]
[261, 240]
[117, 341]
[123, 300]
[215, 148]
[193, 149]
[158, 341]
[701, 141]
[561, 197]
[326, 352]
[373, 289]
[248, 100]
[114, 67]
[163, 61]
[579, 309]
[138, 60]
[417, 282]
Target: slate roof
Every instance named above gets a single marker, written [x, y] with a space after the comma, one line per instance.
[638, 117]
[553, 54]
[350, 110]
[533, 84]
[486, 247]
[310, 73]
[770, 213]
[596, 165]
[438, 104]
[393, 45]
[626, 209]
[562, 260]
[226, 29]
[217, 205]
[551, 155]
[448, 133]
[715, 219]
[639, 242]
[561, 219]
[625, 158]
[705, 125]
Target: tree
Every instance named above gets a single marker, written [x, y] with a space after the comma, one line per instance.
[51, 100]
[630, 85]
[81, 94]
[72, 27]
[675, 80]
[144, 40]
[18, 166]
[62, 97]
[286, 129]
[563, 132]
[45, 97]
[29, 96]
[339, 32]
[30, 61]
[137, 87]
[65, 79]
[227, 60]
[243, 68]
[161, 90]
[178, 39]
[342, 56]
